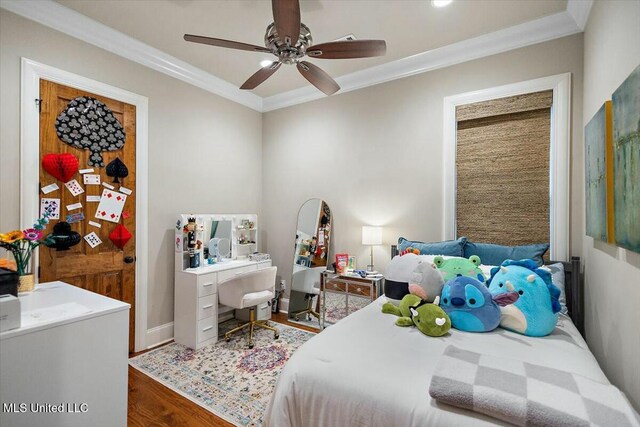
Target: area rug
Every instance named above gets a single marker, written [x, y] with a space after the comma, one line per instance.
[337, 306]
[228, 379]
[336, 309]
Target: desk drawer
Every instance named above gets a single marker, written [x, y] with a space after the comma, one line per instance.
[336, 286]
[207, 306]
[264, 264]
[207, 284]
[360, 289]
[207, 329]
[228, 274]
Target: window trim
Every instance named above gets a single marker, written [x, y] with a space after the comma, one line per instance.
[559, 166]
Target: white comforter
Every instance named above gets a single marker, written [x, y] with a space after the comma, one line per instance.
[365, 371]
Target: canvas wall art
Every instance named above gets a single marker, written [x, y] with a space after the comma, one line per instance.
[598, 175]
[626, 162]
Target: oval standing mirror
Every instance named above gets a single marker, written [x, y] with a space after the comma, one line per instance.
[310, 259]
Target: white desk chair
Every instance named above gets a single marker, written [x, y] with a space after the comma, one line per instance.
[308, 282]
[248, 290]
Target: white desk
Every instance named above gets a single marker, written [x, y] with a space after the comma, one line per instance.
[71, 350]
[196, 307]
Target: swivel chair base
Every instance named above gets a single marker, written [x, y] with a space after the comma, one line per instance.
[251, 325]
[309, 309]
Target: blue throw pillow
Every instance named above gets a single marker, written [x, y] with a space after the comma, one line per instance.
[495, 254]
[449, 247]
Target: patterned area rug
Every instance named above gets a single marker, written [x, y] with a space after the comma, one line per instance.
[336, 309]
[311, 323]
[227, 378]
[337, 306]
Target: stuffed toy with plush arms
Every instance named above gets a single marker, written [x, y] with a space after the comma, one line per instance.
[411, 273]
[468, 303]
[396, 279]
[528, 299]
[430, 319]
[456, 267]
[426, 281]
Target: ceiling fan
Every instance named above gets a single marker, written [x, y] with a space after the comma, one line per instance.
[290, 40]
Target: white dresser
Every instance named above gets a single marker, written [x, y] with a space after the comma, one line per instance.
[67, 363]
[196, 308]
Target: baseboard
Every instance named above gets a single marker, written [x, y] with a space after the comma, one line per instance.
[159, 335]
[284, 305]
[163, 333]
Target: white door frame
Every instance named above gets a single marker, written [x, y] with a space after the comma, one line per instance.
[32, 72]
[559, 153]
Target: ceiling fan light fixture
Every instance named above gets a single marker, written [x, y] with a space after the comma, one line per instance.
[290, 40]
[440, 3]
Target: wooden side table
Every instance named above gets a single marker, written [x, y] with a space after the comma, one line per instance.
[347, 285]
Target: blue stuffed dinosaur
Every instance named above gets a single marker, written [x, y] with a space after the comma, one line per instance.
[528, 299]
[469, 305]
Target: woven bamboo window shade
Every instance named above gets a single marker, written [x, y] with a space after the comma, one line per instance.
[502, 169]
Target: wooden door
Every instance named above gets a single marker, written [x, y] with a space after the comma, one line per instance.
[105, 269]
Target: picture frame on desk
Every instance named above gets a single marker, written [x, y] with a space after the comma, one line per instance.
[342, 260]
[352, 263]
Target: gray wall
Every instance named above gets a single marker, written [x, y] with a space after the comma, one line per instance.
[195, 138]
[612, 275]
[375, 155]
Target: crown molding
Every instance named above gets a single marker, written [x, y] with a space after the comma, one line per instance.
[59, 17]
[579, 11]
[537, 31]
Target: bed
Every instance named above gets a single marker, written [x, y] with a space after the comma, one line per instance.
[365, 371]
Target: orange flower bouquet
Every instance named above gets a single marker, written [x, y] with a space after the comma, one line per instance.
[21, 243]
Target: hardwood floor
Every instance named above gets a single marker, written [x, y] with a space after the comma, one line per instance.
[153, 404]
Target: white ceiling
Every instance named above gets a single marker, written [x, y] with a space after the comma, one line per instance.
[409, 27]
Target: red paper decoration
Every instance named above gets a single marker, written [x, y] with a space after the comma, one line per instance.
[120, 236]
[62, 166]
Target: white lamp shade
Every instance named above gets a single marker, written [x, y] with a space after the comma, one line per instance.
[371, 235]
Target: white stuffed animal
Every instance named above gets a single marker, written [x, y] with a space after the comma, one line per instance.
[397, 276]
[412, 273]
[426, 281]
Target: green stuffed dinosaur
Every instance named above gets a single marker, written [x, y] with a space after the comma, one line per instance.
[430, 319]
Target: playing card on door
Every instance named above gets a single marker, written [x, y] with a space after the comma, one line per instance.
[74, 187]
[51, 187]
[111, 205]
[52, 206]
[92, 239]
[91, 179]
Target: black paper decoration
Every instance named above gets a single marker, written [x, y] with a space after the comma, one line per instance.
[117, 169]
[88, 124]
[63, 237]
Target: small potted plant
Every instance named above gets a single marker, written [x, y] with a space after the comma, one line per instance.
[21, 243]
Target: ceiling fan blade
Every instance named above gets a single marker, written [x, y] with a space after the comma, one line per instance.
[318, 78]
[225, 43]
[286, 16]
[261, 75]
[348, 49]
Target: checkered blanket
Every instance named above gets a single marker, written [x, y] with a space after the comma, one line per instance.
[526, 394]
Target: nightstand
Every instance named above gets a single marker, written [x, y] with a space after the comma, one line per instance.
[335, 283]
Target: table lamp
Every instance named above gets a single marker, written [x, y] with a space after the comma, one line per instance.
[371, 236]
